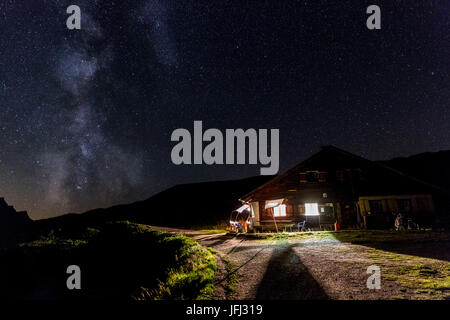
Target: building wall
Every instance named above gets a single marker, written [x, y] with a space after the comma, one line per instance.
[349, 214]
[421, 209]
[295, 212]
[341, 179]
[419, 202]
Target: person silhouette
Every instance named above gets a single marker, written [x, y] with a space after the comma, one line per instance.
[399, 222]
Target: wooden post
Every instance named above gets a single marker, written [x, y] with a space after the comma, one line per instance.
[339, 213]
[275, 221]
[320, 226]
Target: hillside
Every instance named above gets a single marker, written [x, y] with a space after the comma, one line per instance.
[121, 251]
[209, 203]
[186, 205]
[432, 167]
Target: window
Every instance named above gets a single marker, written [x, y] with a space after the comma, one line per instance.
[375, 206]
[404, 205]
[340, 175]
[303, 177]
[357, 174]
[422, 204]
[312, 209]
[279, 211]
[322, 177]
[327, 210]
[312, 176]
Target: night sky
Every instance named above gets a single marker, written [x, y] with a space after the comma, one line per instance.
[86, 115]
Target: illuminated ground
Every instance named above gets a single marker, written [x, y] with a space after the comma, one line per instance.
[327, 265]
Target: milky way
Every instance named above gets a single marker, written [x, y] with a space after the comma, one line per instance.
[86, 115]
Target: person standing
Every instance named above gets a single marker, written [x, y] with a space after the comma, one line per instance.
[398, 222]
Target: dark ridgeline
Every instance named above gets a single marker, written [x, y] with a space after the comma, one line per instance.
[432, 167]
[186, 205]
[14, 226]
[203, 204]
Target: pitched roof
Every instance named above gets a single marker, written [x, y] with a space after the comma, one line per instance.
[349, 155]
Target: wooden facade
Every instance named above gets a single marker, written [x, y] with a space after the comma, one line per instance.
[336, 186]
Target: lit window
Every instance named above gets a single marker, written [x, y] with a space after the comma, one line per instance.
[322, 177]
[312, 209]
[303, 177]
[279, 211]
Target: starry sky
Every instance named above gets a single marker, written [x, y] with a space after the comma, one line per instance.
[86, 115]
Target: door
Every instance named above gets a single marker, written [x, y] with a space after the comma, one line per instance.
[349, 218]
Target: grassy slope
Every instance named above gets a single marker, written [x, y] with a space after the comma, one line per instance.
[425, 278]
[117, 261]
[358, 236]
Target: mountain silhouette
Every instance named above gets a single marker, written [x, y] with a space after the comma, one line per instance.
[209, 203]
[186, 205]
[14, 226]
[432, 167]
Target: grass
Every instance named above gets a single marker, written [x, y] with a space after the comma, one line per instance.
[385, 236]
[431, 279]
[220, 227]
[356, 236]
[118, 260]
[195, 267]
[419, 276]
[213, 231]
[231, 286]
[279, 235]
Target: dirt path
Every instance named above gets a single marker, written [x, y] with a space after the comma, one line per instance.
[311, 268]
[299, 270]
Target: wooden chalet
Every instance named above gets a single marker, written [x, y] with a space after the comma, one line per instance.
[336, 186]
